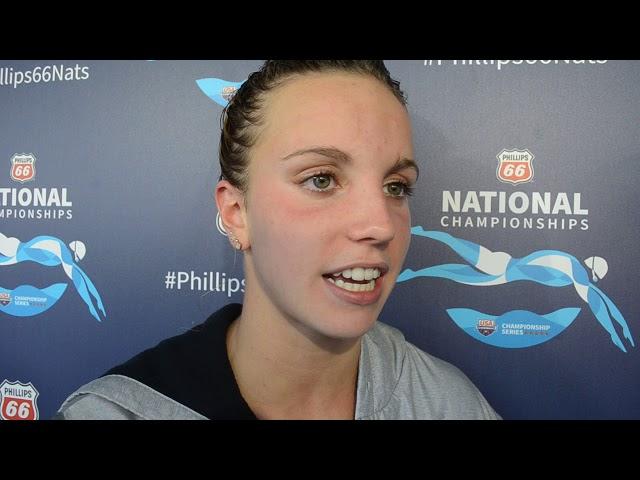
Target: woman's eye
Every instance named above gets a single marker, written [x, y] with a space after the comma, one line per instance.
[319, 182]
[399, 189]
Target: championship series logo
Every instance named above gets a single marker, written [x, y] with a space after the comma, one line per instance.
[18, 401]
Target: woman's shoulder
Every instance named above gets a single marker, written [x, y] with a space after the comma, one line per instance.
[117, 397]
[388, 346]
[178, 377]
[426, 385]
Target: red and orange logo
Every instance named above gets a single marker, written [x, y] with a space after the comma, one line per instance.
[23, 167]
[18, 401]
[514, 166]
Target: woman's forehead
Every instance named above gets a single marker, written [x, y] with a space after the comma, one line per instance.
[334, 107]
[329, 91]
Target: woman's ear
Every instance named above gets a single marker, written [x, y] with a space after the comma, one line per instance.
[231, 207]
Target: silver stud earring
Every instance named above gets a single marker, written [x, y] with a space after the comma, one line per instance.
[235, 242]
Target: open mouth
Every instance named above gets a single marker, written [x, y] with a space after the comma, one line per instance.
[352, 285]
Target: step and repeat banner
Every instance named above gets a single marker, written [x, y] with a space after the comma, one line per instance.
[524, 261]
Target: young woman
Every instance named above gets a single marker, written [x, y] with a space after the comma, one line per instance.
[317, 164]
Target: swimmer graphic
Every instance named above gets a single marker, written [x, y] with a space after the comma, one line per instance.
[547, 267]
[50, 251]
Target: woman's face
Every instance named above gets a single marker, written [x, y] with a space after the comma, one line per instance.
[321, 199]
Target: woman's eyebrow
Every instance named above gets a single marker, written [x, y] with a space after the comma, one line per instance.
[403, 163]
[330, 152]
[344, 157]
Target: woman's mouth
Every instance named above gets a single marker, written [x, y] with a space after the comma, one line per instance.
[356, 286]
[353, 285]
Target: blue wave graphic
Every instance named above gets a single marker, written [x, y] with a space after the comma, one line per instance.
[51, 252]
[27, 300]
[552, 268]
[218, 90]
[514, 329]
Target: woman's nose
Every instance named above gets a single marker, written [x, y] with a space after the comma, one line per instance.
[370, 216]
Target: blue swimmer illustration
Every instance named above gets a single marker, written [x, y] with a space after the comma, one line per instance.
[547, 267]
[51, 251]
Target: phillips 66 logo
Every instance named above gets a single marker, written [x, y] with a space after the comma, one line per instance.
[23, 167]
[515, 166]
[18, 401]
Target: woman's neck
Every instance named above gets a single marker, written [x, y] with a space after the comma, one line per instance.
[288, 372]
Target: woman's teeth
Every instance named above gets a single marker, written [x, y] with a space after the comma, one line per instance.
[359, 273]
[354, 287]
[363, 279]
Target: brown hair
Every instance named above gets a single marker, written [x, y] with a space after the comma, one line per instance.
[243, 113]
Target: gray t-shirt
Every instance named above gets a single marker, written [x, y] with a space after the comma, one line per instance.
[396, 380]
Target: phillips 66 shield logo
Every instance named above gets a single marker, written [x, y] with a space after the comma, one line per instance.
[23, 167]
[515, 166]
[18, 401]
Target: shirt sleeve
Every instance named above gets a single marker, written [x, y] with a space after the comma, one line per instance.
[93, 407]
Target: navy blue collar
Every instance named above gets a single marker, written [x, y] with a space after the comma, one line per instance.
[194, 369]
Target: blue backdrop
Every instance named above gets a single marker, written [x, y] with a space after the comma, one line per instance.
[108, 178]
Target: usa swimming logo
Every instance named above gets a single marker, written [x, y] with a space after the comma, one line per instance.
[486, 327]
